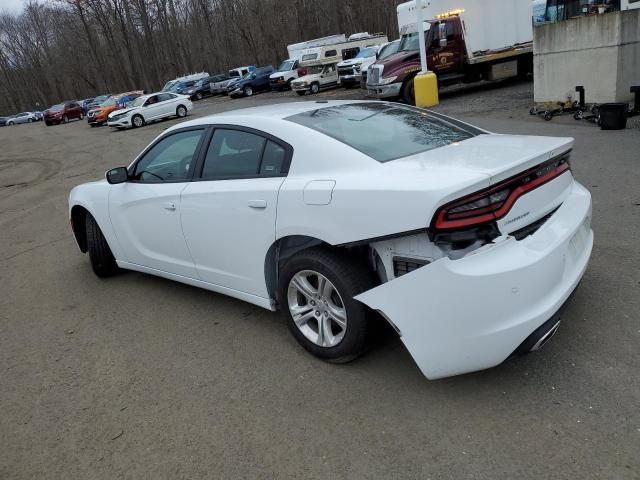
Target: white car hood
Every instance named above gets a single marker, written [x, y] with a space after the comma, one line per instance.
[353, 61]
[121, 111]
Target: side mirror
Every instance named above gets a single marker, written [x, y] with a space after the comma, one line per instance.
[117, 175]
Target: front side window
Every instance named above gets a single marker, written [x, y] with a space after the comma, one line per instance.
[170, 159]
[385, 132]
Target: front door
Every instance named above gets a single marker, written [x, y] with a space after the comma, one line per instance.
[446, 53]
[145, 212]
[329, 76]
[229, 215]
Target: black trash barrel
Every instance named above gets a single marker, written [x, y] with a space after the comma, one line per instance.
[613, 116]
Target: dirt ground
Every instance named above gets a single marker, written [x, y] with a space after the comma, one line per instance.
[138, 377]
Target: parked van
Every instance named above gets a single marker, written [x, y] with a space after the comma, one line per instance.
[193, 78]
[283, 77]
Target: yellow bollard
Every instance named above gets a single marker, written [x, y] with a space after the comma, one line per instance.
[426, 90]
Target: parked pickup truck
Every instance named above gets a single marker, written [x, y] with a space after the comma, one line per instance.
[350, 71]
[318, 77]
[473, 41]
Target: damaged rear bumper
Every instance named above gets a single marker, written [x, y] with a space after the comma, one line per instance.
[459, 316]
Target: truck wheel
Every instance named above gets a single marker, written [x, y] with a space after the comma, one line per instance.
[316, 293]
[315, 88]
[409, 92]
[288, 87]
[301, 93]
[199, 96]
[247, 91]
[102, 261]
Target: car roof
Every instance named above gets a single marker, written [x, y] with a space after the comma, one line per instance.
[278, 111]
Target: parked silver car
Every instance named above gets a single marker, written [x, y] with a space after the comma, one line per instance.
[24, 117]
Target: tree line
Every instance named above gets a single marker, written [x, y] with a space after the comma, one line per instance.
[57, 50]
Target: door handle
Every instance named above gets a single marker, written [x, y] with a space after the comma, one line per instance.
[170, 206]
[258, 203]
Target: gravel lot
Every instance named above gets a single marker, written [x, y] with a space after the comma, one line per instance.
[138, 377]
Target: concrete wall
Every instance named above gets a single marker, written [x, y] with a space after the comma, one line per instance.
[601, 52]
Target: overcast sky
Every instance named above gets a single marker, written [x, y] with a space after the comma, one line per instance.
[13, 6]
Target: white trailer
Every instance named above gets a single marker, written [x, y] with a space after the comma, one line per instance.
[295, 50]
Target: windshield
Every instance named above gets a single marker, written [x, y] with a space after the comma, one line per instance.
[138, 102]
[109, 102]
[367, 52]
[57, 108]
[385, 132]
[286, 66]
[389, 50]
[409, 42]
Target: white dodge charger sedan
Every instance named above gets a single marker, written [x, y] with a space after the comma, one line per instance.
[148, 108]
[342, 214]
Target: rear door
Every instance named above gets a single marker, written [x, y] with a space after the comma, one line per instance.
[145, 212]
[166, 105]
[229, 215]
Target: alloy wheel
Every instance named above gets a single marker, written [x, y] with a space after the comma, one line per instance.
[317, 308]
[248, 91]
[182, 112]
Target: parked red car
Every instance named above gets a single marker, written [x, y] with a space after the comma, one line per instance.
[62, 113]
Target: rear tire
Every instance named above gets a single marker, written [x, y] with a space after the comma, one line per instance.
[81, 116]
[340, 341]
[102, 261]
[199, 96]
[30, 120]
[181, 111]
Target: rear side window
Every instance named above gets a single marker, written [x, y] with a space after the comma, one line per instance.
[385, 132]
[233, 154]
[239, 154]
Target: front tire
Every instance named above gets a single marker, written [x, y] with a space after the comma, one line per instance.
[65, 119]
[199, 96]
[316, 291]
[102, 261]
[181, 111]
[247, 91]
[315, 88]
[137, 121]
[81, 116]
[409, 93]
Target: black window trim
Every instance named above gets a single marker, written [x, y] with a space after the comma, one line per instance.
[199, 164]
[192, 168]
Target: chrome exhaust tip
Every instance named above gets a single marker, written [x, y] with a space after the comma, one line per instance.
[539, 337]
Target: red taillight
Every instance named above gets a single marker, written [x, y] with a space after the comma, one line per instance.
[495, 202]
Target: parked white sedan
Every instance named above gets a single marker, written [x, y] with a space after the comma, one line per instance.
[466, 242]
[148, 108]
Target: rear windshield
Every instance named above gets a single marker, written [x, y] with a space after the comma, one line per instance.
[385, 132]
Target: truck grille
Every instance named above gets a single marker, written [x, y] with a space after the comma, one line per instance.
[346, 71]
[374, 75]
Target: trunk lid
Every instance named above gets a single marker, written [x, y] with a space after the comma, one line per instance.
[501, 157]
